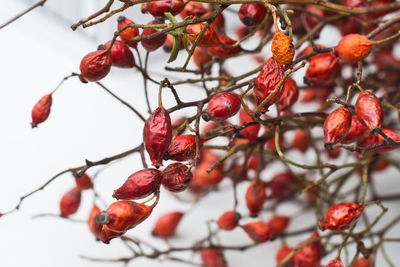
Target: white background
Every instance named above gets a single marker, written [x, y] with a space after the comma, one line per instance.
[85, 122]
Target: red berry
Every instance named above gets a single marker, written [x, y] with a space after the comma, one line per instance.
[212, 257]
[41, 110]
[252, 14]
[363, 262]
[223, 48]
[353, 48]
[357, 129]
[166, 224]
[201, 58]
[309, 255]
[228, 220]
[176, 177]
[155, 42]
[250, 132]
[70, 202]
[209, 37]
[282, 185]
[139, 185]
[255, 197]
[369, 110]
[341, 216]
[223, 105]
[259, 232]
[158, 8]
[84, 182]
[94, 228]
[202, 178]
[182, 148]
[96, 65]
[157, 135]
[278, 224]
[121, 55]
[336, 126]
[266, 82]
[336, 262]
[369, 140]
[129, 33]
[195, 9]
[289, 96]
[322, 69]
[282, 253]
[301, 140]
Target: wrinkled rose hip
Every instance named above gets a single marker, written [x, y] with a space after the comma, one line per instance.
[336, 126]
[175, 177]
[369, 110]
[41, 110]
[96, 65]
[341, 216]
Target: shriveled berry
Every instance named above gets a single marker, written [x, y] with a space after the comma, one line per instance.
[94, 228]
[176, 178]
[70, 202]
[336, 262]
[96, 65]
[182, 148]
[353, 48]
[267, 81]
[139, 185]
[129, 33]
[250, 132]
[209, 37]
[212, 257]
[222, 105]
[278, 224]
[84, 182]
[341, 216]
[121, 55]
[357, 129]
[41, 110]
[255, 197]
[157, 135]
[223, 48]
[336, 126]
[369, 110]
[252, 14]
[282, 48]
[228, 220]
[155, 42]
[289, 96]
[259, 232]
[167, 224]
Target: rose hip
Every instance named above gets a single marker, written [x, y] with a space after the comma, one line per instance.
[309, 255]
[84, 182]
[289, 95]
[70, 202]
[252, 14]
[96, 65]
[341, 216]
[369, 110]
[157, 135]
[139, 185]
[255, 197]
[182, 148]
[195, 9]
[201, 58]
[267, 81]
[301, 140]
[353, 48]
[278, 224]
[282, 48]
[209, 37]
[129, 33]
[222, 105]
[155, 42]
[41, 110]
[94, 228]
[282, 185]
[223, 48]
[202, 178]
[357, 129]
[212, 257]
[121, 55]
[158, 8]
[259, 232]
[228, 220]
[336, 262]
[282, 253]
[166, 225]
[250, 132]
[363, 262]
[322, 69]
[176, 177]
[336, 126]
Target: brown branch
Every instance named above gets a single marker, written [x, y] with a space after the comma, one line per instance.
[37, 4]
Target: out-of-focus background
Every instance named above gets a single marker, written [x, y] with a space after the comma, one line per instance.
[86, 123]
